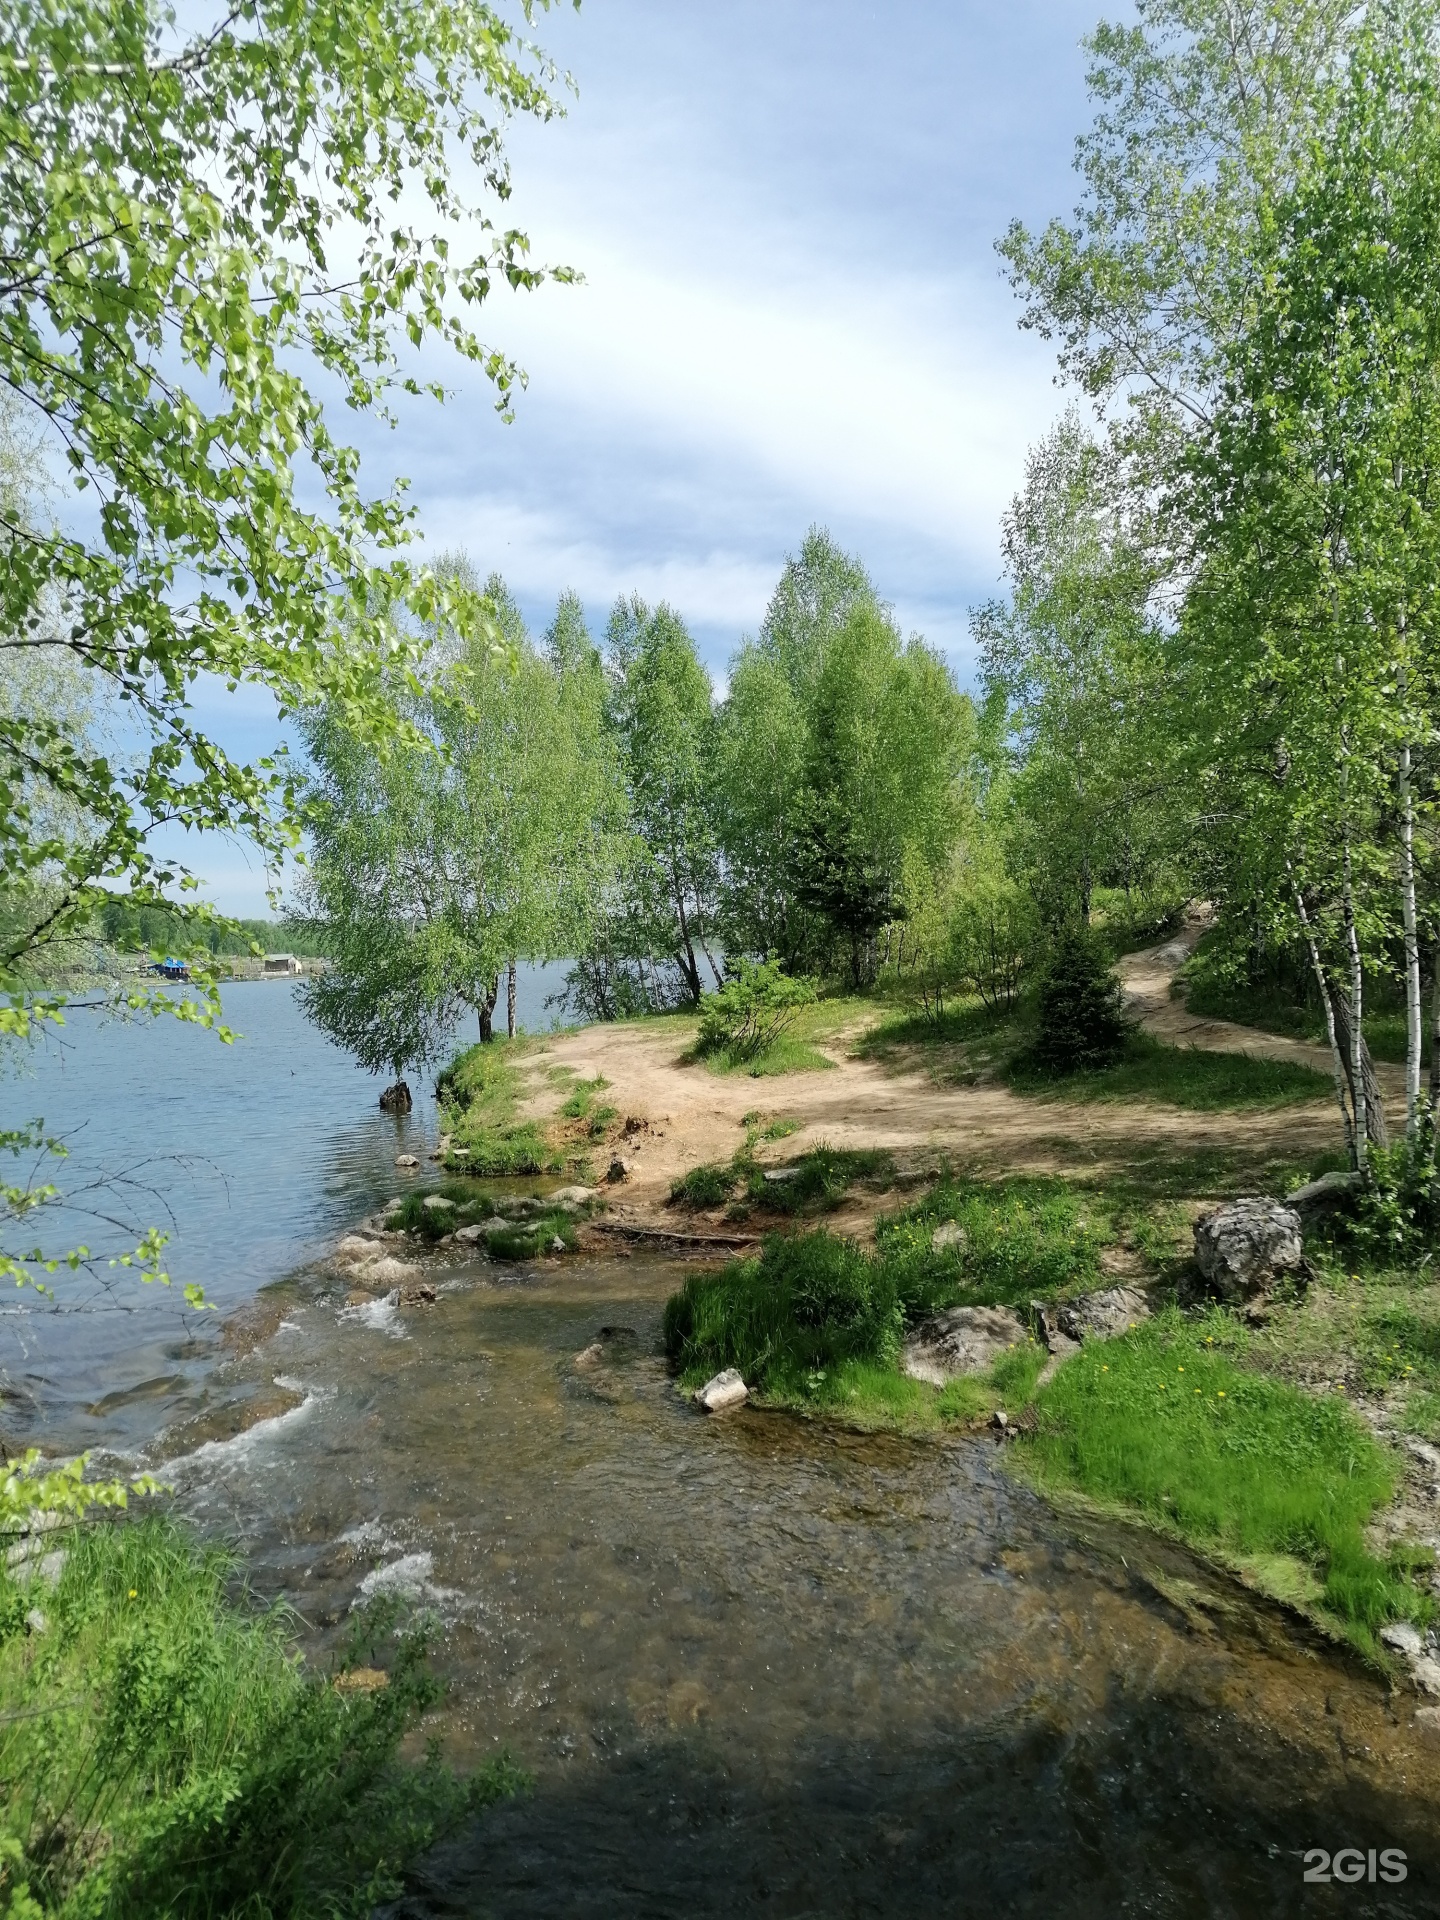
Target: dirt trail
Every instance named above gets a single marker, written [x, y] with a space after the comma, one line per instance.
[1147, 978]
[694, 1115]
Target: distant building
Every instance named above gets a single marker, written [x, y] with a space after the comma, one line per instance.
[281, 963]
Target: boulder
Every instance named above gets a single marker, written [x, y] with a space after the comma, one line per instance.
[1102, 1315]
[386, 1272]
[396, 1098]
[438, 1201]
[406, 1160]
[1244, 1246]
[1317, 1198]
[421, 1294]
[619, 1170]
[727, 1389]
[356, 1248]
[472, 1235]
[961, 1340]
[569, 1197]
[948, 1234]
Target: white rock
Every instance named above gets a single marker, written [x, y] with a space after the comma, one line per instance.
[727, 1389]
[36, 1621]
[354, 1248]
[557, 1245]
[406, 1160]
[572, 1196]
[437, 1201]
[1426, 1674]
[472, 1235]
[387, 1272]
[949, 1233]
[1403, 1638]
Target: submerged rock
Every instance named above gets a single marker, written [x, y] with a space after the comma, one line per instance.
[727, 1389]
[420, 1294]
[356, 1248]
[961, 1340]
[406, 1160]
[1244, 1246]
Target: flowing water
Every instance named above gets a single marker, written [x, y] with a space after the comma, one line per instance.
[753, 1666]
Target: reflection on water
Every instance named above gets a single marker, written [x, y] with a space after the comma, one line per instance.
[762, 1668]
[252, 1156]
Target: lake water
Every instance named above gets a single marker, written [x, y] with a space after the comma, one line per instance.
[754, 1667]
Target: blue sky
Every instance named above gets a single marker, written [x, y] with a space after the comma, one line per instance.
[792, 313]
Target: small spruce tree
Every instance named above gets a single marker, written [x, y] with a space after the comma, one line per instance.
[1081, 1006]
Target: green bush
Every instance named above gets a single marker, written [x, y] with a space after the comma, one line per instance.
[703, 1187]
[805, 1305]
[752, 1010]
[1080, 1006]
[163, 1751]
[821, 1178]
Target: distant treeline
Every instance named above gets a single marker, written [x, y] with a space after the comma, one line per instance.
[132, 928]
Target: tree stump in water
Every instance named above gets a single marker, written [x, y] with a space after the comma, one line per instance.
[397, 1099]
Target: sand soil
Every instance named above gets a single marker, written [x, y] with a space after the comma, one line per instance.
[682, 1113]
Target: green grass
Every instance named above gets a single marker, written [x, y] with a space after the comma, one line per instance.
[583, 1105]
[510, 1240]
[479, 1097]
[967, 1042]
[1023, 1239]
[1180, 1077]
[164, 1751]
[797, 1049]
[1164, 1421]
[819, 1182]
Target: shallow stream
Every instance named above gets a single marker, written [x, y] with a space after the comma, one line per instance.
[754, 1667]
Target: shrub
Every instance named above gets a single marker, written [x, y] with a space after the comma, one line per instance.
[752, 1010]
[1082, 1021]
[703, 1187]
[803, 1306]
[822, 1177]
[164, 1752]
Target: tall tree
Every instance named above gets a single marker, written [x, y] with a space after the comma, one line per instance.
[1311, 633]
[662, 713]
[479, 838]
[176, 203]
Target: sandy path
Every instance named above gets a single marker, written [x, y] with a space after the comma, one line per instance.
[694, 1115]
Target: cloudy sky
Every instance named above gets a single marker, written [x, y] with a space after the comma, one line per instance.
[792, 312]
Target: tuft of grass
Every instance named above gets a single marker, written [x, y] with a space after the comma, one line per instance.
[582, 1105]
[1180, 1077]
[820, 1179]
[165, 1751]
[527, 1239]
[788, 1317]
[704, 1187]
[1163, 1420]
[760, 1127]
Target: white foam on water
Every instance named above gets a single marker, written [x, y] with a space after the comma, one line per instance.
[241, 1445]
[408, 1578]
[381, 1316]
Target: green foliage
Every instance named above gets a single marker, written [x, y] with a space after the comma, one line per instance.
[1081, 1021]
[820, 1179]
[165, 1751]
[752, 1010]
[1190, 1077]
[801, 1308]
[481, 836]
[173, 314]
[1165, 1421]
[130, 928]
[1395, 1218]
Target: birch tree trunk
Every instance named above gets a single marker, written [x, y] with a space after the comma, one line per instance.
[510, 1000]
[1412, 948]
[1337, 1058]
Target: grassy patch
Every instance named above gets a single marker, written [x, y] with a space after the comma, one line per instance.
[797, 1050]
[479, 1096]
[526, 1239]
[1163, 1420]
[815, 1183]
[969, 1041]
[163, 1750]
[1180, 1077]
[583, 1104]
